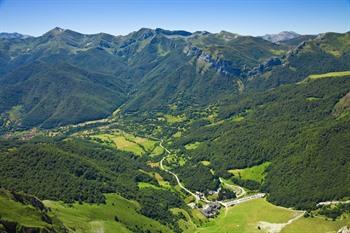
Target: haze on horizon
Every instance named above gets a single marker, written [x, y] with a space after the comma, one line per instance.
[246, 17]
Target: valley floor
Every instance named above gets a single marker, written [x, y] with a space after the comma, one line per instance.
[261, 216]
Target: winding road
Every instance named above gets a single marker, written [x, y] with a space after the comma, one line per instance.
[239, 194]
[172, 173]
[326, 203]
[223, 203]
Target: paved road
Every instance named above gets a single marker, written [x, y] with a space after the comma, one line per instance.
[172, 173]
[242, 191]
[325, 203]
[241, 200]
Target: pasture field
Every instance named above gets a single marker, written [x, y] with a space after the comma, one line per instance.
[244, 218]
[256, 173]
[192, 146]
[130, 143]
[117, 215]
[316, 224]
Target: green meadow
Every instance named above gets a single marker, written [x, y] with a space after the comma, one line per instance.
[244, 218]
[260, 216]
[117, 215]
[25, 215]
[256, 173]
[192, 146]
[328, 75]
[316, 224]
[130, 143]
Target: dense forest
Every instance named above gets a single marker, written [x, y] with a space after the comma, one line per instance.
[302, 128]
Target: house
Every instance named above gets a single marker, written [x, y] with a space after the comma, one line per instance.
[211, 210]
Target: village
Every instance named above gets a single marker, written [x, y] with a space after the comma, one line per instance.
[212, 208]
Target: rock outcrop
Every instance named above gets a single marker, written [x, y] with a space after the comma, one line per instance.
[345, 229]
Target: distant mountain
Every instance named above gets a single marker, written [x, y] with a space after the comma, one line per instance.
[64, 73]
[282, 36]
[324, 53]
[297, 40]
[15, 35]
[221, 101]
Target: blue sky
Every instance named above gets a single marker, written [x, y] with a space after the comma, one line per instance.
[247, 17]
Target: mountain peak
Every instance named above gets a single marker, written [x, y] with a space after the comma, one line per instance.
[55, 31]
[282, 36]
[173, 33]
[14, 35]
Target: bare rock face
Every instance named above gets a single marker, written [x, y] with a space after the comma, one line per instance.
[282, 36]
[342, 105]
[345, 229]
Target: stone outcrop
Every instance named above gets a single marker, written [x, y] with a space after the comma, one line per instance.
[345, 229]
[221, 66]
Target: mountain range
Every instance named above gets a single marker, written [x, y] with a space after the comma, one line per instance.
[154, 130]
[86, 77]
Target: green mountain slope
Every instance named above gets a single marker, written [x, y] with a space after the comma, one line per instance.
[25, 213]
[327, 52]
[100, 70]
[53, 95]
[295, 127]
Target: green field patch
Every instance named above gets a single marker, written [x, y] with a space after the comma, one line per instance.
[315, 224]
[186, 225]
[238, 118]
[177, 134]
[123, 144]
[311, 99]
[205, 162]
[216, 123]
[171, 119]
[245, 217]
[146, 143]
[241, 116]
[161, 181]
[278, 52]
[212, 117]
[198, 217]
[157, 151]
[328, 75]
[192, 146]
[143, 185]
[181, 161]
[256, 173]
[128, 142]
[117, 215]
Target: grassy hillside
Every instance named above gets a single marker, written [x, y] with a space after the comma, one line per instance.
[246, 217]
[117, 214]
[24, 213]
